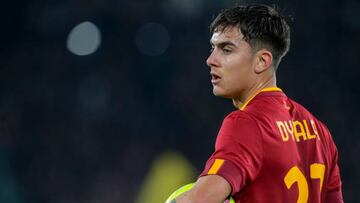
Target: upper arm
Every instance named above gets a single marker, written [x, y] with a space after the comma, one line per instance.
[238, 152]
[333, 185]
[334, 196]
[210, 189]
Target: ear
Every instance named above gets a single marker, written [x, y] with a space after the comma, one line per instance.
[264, 60]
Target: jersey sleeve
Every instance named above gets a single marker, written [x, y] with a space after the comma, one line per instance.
[334, 196]
[334, 182]
[333, 186]
[334, 178]
[238, 151]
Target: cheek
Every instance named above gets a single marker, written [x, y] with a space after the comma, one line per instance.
[235, 79]
[238, 73]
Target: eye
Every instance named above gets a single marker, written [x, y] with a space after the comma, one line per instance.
[212, 49]
[226, 51]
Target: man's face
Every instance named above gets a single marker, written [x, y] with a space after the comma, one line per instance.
[231, 63]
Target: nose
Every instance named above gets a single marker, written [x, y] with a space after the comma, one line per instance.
[212, 60]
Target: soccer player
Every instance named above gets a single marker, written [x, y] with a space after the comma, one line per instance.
[271, 149]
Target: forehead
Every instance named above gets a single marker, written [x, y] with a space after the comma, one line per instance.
[229, 34]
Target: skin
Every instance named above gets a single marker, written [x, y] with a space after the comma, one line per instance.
[238, 72]
[243, 72]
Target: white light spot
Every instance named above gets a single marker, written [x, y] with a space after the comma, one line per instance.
[152, 39]
[84, 39]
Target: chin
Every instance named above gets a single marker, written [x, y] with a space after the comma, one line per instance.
[220, 93]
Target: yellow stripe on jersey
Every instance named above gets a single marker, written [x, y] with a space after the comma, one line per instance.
[216, 166]
[269, 89]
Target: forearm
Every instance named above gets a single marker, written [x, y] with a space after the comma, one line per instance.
[209, 189]
[188, 197]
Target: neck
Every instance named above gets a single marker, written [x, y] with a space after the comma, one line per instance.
[252, 91]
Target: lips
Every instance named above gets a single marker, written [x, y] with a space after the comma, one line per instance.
[215, 78]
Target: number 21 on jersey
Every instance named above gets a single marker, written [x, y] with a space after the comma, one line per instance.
[294, 175]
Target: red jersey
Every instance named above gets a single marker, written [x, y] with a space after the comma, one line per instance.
[274, 150]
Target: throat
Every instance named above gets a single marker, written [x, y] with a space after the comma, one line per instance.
[237, 103]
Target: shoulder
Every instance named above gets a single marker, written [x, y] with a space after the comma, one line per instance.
[239, 122]
[239, 116]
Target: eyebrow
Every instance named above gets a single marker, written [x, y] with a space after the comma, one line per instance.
[223, 44]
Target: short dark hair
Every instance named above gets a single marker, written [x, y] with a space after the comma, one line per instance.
[261, 25]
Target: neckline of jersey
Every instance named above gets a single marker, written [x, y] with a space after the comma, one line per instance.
[268, 89]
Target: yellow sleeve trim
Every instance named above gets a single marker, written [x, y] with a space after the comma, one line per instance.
[216, 166]
[269, 89]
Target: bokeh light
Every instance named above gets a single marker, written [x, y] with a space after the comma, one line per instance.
[183, 8]
[152, 39]
[84, 39]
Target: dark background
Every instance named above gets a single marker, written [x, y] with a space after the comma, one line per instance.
[74, 126]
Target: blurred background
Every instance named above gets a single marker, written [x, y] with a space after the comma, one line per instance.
[111, 101]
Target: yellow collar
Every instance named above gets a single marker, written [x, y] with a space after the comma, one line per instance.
[268, 89]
